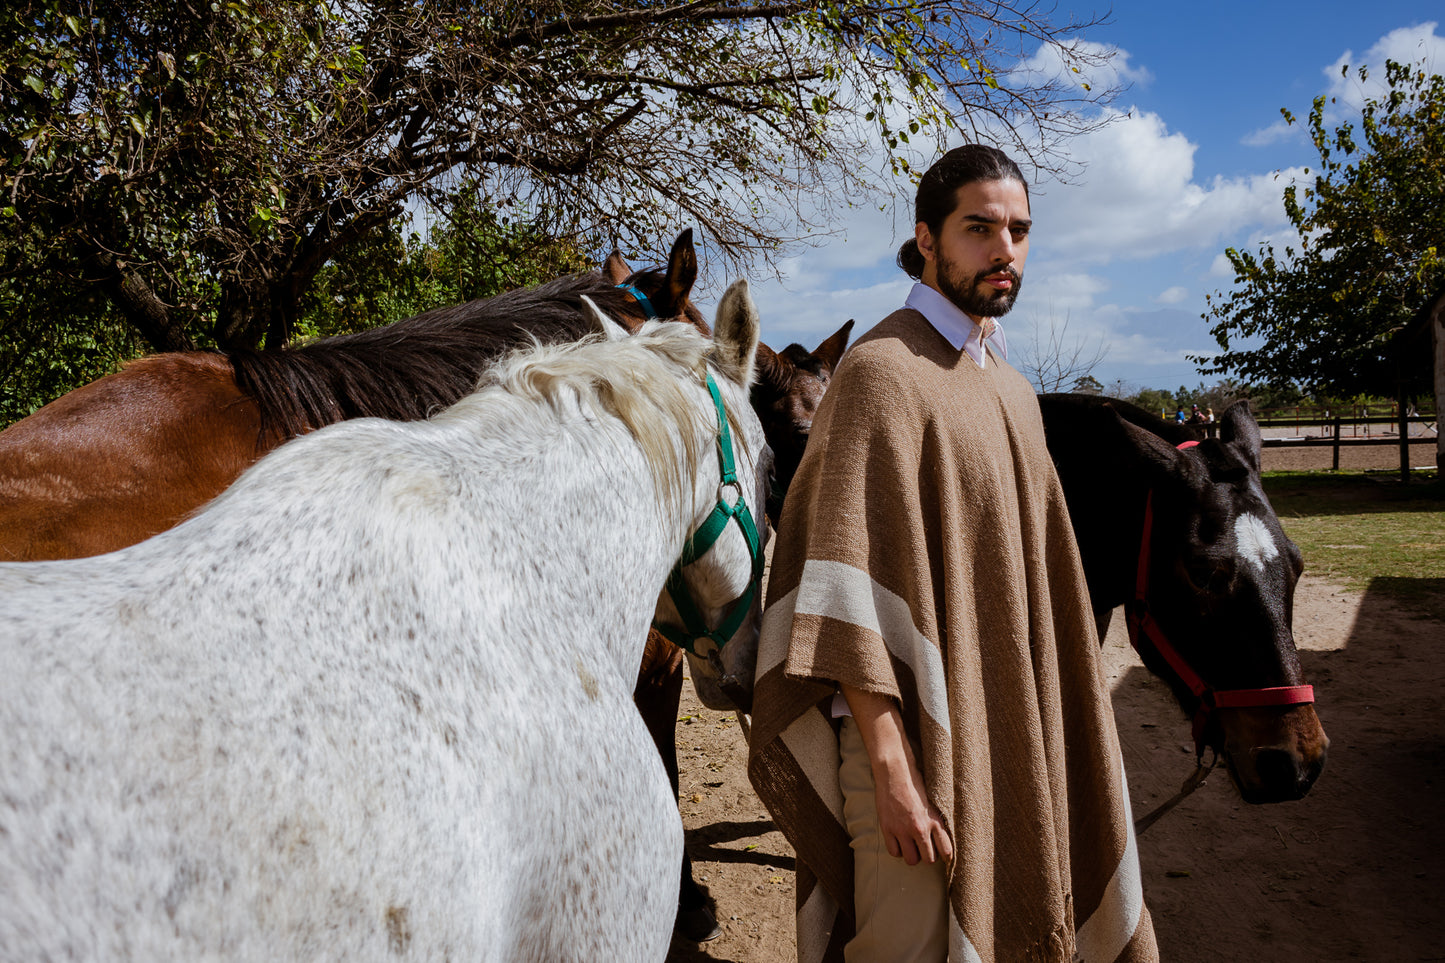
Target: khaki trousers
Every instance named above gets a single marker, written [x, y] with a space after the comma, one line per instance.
[902, 910]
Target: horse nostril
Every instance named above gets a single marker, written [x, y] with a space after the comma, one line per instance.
[1279, 772]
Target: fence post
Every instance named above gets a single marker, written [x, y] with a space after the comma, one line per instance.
[1336, 464]
[1402, 412]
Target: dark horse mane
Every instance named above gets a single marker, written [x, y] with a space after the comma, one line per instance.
[411, 369]
[1170, 431]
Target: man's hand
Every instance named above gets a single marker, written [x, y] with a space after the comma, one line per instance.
[912, 827]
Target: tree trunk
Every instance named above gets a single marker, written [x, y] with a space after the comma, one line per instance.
[1438, 330]
[156, 321]
[1402, 425]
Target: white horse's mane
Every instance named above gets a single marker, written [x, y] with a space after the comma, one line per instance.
[633, 378]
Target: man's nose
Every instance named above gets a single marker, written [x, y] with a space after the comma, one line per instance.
[1003, 249]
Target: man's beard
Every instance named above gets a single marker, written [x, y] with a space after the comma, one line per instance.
[985, 302]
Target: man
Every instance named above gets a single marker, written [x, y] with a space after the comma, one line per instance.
[930, 729]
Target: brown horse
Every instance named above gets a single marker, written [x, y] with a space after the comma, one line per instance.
[789, 385]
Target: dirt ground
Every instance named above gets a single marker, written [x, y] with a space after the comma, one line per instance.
[1355, 871]
[1359, 457]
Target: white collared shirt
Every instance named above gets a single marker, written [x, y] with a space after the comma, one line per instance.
[957, 328]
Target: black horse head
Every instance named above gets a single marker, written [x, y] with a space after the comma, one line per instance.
[1218, 582]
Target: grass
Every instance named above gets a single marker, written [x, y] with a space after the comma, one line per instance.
[1368, 530]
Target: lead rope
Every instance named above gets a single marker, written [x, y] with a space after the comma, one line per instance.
[1193, 782]
[745, 726]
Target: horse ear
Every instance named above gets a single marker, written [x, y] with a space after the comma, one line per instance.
[736, 332]
[615, 268]
[681, 273]
[768, 368]
[604, 325]
[1239, 430]
[830, 352]
[1157, 456]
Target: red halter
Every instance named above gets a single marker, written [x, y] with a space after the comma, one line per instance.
[1141, 621]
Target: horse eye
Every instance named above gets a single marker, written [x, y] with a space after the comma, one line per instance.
[1209, 576]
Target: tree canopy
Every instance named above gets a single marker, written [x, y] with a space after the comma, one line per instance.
[195, 165]
[1339, 314]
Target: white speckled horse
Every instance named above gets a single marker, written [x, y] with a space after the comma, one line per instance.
[375, 700]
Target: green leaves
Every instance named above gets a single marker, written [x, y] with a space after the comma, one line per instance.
[240, 152]
[1370, 225]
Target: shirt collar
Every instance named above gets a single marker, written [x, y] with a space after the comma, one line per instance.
[958, 328]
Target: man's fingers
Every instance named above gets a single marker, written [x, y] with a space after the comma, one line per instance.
[941, 842]
[925, 846]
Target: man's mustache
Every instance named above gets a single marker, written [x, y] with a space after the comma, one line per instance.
[983, 276]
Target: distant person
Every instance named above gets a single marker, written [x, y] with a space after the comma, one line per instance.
[1209, 426]
[1179, 414]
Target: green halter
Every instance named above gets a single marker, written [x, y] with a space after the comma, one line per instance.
[695, 636]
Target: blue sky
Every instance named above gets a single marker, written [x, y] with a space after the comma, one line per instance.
[1123, 256]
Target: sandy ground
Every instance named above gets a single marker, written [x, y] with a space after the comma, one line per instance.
[1355, 871]
[1352, 872]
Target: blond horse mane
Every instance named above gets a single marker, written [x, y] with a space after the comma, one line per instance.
[645, 380]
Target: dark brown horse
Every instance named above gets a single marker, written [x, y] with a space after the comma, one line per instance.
[1210, 603]
[785, 396]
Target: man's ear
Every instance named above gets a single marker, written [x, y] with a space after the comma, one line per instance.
[924, 237]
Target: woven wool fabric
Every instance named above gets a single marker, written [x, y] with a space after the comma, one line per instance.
[925, 553]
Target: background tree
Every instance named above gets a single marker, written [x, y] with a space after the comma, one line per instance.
[49, 347]
[1336, 315]
[197, 166]
[1053, 361]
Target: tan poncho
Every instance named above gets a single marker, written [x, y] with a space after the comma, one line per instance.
[925, 552]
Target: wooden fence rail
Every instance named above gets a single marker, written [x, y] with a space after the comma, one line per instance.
[1333, 433]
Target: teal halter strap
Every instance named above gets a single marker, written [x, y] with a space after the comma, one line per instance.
[648, 311]
[694, 627]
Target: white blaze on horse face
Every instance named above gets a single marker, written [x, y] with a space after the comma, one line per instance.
[1254, 542]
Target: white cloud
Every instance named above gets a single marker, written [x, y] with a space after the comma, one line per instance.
[1172, 295]
[1080, 63]
[1414, 44]
[1139, 198]
[1221, 268]
[1272, 134]
[1406, 45]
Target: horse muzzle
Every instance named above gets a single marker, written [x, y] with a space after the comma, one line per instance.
[1273, 755]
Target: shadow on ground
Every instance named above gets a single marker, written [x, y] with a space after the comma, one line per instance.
[1356, 870]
